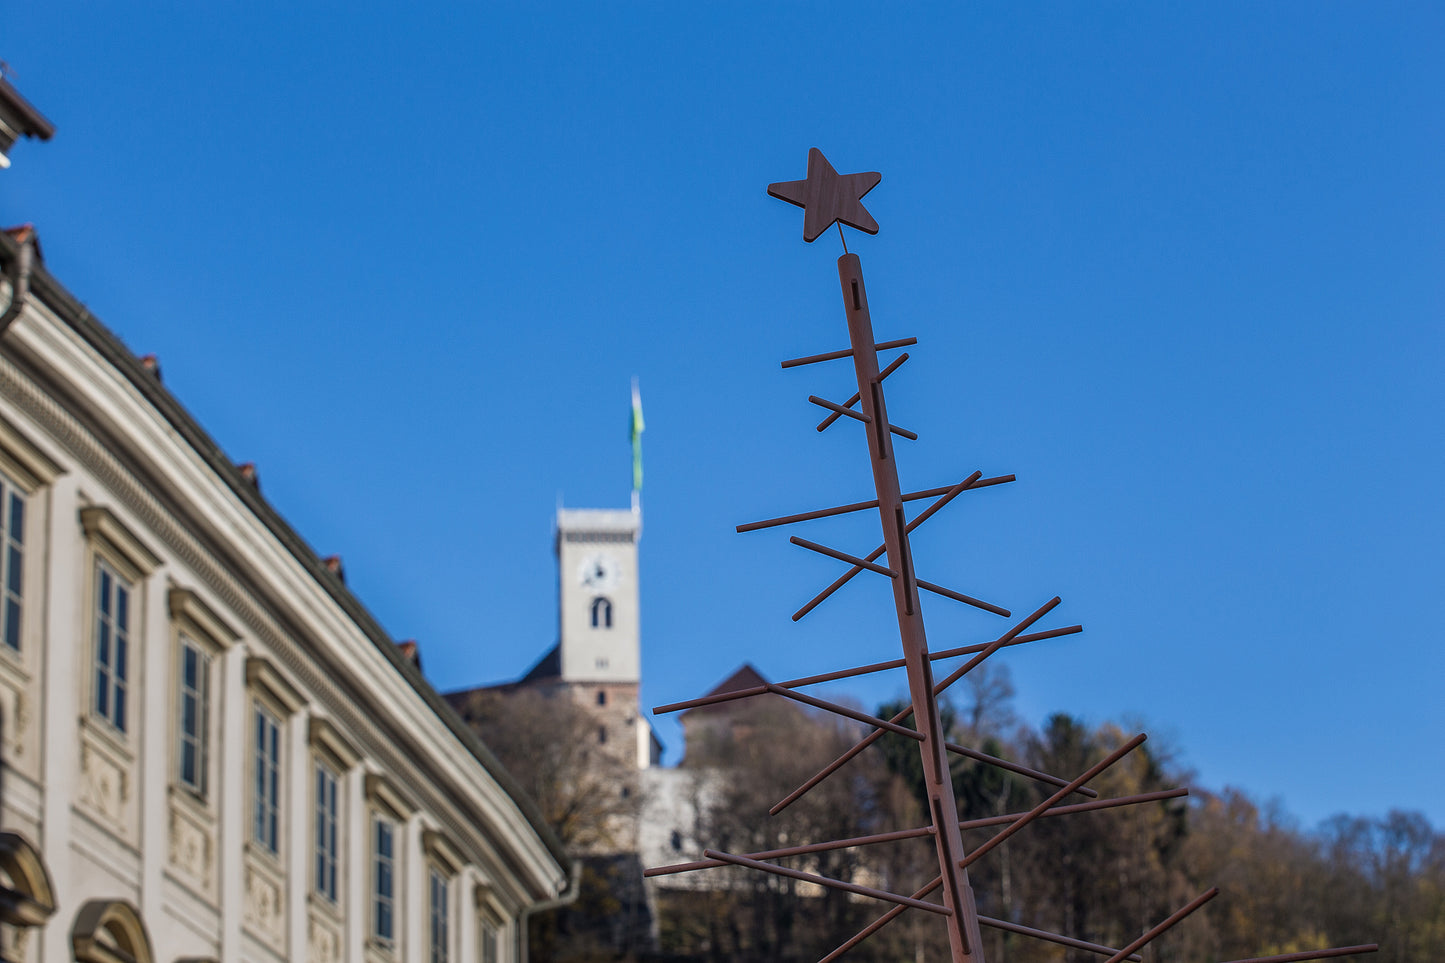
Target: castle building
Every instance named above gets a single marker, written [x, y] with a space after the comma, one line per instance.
[596, 663]
[209, 749]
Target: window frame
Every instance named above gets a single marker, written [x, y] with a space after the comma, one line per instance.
[31, 472]
[389, 939]
[439, 937]
[268, 842]
[12, 557]
[443, 864]
[601, 612]
[115, 550]
[489, 937]
[112, 629]
[195, 625]
[269, 694]
[326, 830]
[385, 803]
[200, 739]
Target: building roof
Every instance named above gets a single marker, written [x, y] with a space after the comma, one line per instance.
[20, 115]
[745, 677]
[115, 353]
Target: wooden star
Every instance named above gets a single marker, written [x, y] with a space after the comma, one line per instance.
[827, 196]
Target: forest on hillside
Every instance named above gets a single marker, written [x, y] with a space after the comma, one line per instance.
[1102, 876]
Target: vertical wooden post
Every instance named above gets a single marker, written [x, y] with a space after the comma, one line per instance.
[963, 933]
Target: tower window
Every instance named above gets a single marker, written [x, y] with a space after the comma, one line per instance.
[602, 697]
[601, 734]
[601, 613]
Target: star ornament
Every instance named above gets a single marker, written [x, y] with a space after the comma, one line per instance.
[827, 197]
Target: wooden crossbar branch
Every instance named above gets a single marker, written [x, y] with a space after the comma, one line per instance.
[901, 834]
[952, 677]
[847, 353]
[859, 670]
[905, 902]
[897, 363]
[863, 506]
[897, 911]
[1047, 804]
[838, 409]
[908, 529]
[1015, 825]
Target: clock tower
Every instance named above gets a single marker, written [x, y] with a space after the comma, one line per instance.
[599, 637]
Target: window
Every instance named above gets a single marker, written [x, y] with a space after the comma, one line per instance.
[267, 805]
[602, 697]
[112, 642]
[326, 832]
[488, 939]
[383, 848]
[195, 716]
[601, 613]
[440, 937]
[12, 560]
[601, 735]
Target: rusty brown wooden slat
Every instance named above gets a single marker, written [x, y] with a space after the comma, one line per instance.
[873, 737]
[846, 353]
[823, 425]
[1039, 810]
[828, 881]
[1178, 915]
[838, 409]
[1313, 954]
[845, 711]
[1053, 937]
[843, 556]
[879, 923]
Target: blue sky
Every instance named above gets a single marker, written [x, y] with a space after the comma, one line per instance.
[1177, 267]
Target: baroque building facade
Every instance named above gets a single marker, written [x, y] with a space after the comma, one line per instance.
[209, 749]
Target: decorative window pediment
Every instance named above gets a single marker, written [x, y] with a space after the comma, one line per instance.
[127, 550]
[29, 466]
[392, 802]
[328, 742]
[441, 852]
[261, 675]
[191, 612]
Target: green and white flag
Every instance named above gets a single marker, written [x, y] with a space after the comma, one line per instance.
[635, 430]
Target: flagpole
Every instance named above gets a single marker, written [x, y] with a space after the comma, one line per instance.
[635, 427]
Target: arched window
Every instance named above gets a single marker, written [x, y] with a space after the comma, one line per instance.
[109, 931]
[26, 898]
[601, 613]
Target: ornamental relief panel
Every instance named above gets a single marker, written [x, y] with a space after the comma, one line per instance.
[17, 729]
[265, 913]
[191, 849]
[323, 942]
[104, 786]
[13, 940]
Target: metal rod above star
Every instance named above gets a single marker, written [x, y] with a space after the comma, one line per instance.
[827, 197]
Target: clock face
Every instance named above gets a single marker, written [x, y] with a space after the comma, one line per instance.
[598, 572]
